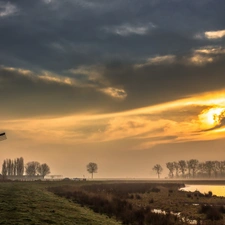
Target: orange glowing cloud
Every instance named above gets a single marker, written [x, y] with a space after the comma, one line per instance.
[188, 119]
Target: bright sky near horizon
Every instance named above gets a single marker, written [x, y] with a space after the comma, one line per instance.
[125, 84]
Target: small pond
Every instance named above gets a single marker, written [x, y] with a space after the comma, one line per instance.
[189, 221]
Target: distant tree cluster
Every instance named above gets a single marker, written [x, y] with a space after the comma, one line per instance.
[194, 169]
[13, 167]
[35, 168]
[17, 167]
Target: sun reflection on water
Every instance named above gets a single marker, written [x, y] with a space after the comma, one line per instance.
[217, 190]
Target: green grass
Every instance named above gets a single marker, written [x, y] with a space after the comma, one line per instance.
[24, 203]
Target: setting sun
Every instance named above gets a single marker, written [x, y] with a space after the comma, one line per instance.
[211, 117]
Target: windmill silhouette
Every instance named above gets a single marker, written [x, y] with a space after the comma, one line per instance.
[2, 136]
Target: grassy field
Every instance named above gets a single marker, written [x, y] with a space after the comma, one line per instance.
[24, 203]
[103, 202]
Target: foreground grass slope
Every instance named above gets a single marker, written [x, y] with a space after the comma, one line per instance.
[30, 203]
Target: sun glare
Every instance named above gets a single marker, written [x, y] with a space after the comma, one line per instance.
[211, 117]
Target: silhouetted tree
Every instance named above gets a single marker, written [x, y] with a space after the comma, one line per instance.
[92, 168]
[4, 168]
[15, 167]
[209, 167]
[31, 168]
[194, 166]
[182, 167]
[158, 169]
[9, 165]
[43, 170]
[176, 167]
[201, 169]
[20, 166]
[221, 167]
[171, 168]
[189, 168]
[215, 168]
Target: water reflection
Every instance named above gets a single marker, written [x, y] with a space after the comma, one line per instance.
[218, 190]
[184, 219]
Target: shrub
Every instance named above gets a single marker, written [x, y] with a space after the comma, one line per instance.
[212, 212]
[137, 196]
[131, 196]
[155, 189]
[189, 195]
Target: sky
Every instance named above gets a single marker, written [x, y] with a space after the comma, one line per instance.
[126, 84]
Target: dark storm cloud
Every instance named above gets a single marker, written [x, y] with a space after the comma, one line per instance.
[144, 86]
[117, 35]
[28, 95]
[82, 29]
[161, 83]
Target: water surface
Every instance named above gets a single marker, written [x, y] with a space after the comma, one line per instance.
[218, 190]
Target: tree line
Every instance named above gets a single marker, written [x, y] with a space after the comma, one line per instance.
[193, 169]
[17, 167]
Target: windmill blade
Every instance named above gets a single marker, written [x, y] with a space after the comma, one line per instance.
[2, 136]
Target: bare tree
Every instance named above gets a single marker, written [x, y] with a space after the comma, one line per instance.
[209, 167]
[9, 165]
[20, 166]
[189, 168]
[201, 169]
[4, 168]
[31, 168]
[43, 170]
[171, 168]
[158, 169]
[15, 167]
[12, 167]
[92, 168]
[215, 167]
[176, 167]
[182, 167]
[221, 167]
[193, 164]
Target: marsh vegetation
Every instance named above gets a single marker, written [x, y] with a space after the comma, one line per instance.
[141, 203]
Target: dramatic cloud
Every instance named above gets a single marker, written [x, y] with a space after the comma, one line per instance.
[7, 9]
[43, 94]
[215, 34]
[211, 50]
[128, 29]
[166, 59]
[172, 122]
[115, 92]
